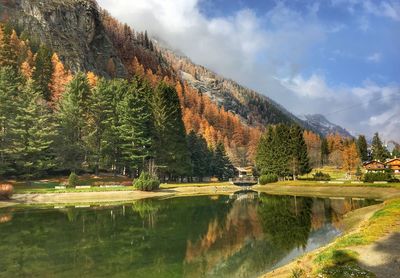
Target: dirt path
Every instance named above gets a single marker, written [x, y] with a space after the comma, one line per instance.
[382, 257]
[332, 191]
[117, 196]
[120, 196]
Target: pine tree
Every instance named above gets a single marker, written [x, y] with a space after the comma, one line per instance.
[200, 155]
[265, 153]
[34, 134]
[298, 157]
[170, 138]
[379, 152]
[43, 71]
[222, 168]
[10, 85]
[72, 117]
[135, 126]
[8, 55]
[362, 148]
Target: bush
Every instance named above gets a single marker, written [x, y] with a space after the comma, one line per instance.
[6, 191]
[319, 176]
[146, 182]
[378, 176]
[72, 180]
[268, 178]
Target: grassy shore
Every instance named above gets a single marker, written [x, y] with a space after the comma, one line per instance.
[339, 259]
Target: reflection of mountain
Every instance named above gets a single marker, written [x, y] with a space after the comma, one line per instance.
[254, 236]
[223, 240]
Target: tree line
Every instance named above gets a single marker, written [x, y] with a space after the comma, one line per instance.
[51, 120]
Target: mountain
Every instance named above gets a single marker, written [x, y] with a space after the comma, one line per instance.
[325, 127]
[87, 38]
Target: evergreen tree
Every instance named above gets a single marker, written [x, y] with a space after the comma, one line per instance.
[265, 154]
[8, 55]
[135, 126]
[34, 134]
[43, 71]
[379, 152]
[362, 148]
[200, 155]
[72, 117]
[299, 161]
[222, 168]
[171, 148]
[324, 151]
[10, 85]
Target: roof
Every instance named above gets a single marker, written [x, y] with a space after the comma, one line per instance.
[373, 161]
[392, 160]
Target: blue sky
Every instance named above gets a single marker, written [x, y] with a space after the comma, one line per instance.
[339, 58]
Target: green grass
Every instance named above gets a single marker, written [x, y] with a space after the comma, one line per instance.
[71, 190]
[336, 260]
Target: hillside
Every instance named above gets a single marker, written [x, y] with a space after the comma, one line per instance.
[325, 127]
[87, 38]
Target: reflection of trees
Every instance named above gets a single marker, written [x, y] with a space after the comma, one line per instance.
[193, 236]
[253, 236]
[286, 220]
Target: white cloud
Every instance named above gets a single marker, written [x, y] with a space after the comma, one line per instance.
[389, 9]
[368, 108]
[258, 50]
[374, 57]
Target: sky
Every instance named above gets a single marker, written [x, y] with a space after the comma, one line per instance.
[339, 58]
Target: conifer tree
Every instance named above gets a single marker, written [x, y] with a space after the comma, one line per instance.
[170, 138]
[200, 155]
[135, 126]
[379, 152]
[298, 158]
[362, 148]
[42, 72]
[222, 168]
[72, 117]
[324, 151]
[265, 152]
[34, 134]
[10, 85]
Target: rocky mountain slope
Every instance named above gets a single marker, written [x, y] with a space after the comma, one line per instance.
[325, 127]
[88, 39]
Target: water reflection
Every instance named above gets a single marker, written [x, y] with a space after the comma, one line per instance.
[242, 235]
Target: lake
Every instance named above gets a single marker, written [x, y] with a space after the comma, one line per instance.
[242, 235]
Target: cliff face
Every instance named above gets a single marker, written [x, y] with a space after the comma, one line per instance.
[72, 28]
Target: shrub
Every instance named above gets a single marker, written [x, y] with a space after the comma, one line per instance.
[319, 176]
[378, 176]
[6, 190]
[268, 178]
[146, 182]
[72, 180]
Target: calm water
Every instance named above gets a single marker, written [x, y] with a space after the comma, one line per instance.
[209, 236]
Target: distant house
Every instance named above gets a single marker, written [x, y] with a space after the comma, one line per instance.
[242, 172]
[374, 166]
[394, 164]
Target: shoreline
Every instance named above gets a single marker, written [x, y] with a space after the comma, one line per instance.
[120, 196]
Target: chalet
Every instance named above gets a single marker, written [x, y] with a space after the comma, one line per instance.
[242, 172]
[394, 164]
[374, 166]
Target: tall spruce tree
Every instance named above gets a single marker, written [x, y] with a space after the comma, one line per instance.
[136, 124]
[200, 155]
[298, 158]
[10, 85]
[324, 151]
[265, 153]
[34, 134]
[43, 71]
[362, 147]
[379, 152]
[72, 117]
[172, 154]
[222, 168]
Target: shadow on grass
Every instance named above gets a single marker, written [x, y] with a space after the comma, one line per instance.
[389, 249]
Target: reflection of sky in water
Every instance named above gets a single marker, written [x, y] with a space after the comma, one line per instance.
[203, 236]
[317, 239]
